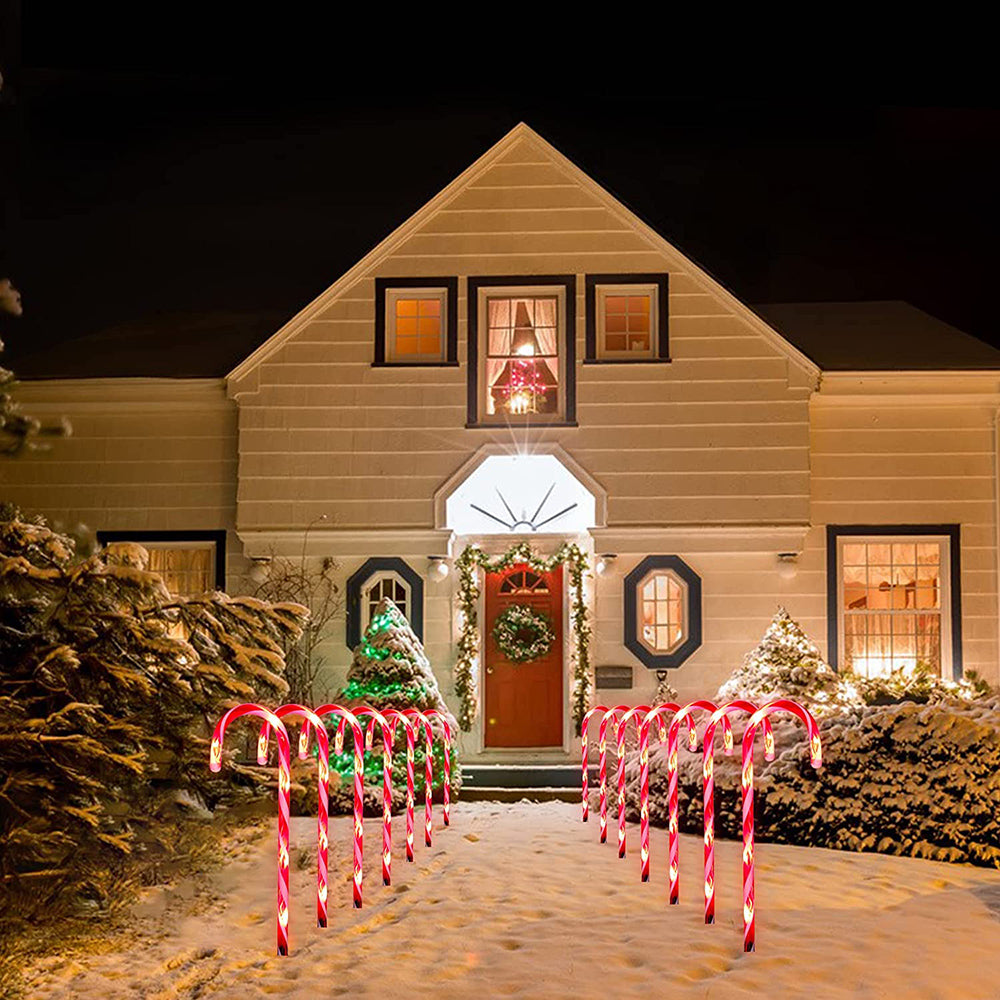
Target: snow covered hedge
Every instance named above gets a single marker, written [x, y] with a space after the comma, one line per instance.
[918, 778]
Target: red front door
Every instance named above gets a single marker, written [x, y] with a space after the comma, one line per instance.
[524, 701]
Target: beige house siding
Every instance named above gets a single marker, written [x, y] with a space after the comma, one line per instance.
[145, 454]
[915, 449]
[720, 435]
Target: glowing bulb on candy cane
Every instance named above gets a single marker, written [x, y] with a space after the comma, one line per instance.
[815, 759]
[313, 721]
[708, 788]
[584, 755]
[348, 719]
[433, 713]
[621, 732]
[419, 716]
[284, 805]
[397, 717]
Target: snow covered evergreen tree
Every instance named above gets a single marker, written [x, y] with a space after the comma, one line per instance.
[108, 687]
[390, 670]
[787, 664]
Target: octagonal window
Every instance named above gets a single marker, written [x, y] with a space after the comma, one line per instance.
[662, 602]
[662, 611]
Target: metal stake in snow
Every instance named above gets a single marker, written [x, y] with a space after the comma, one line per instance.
[815, 758]
[359, 787]
[387, 733]
[284, 795]
[323, 783]
[584, 756]
[433, 713]
[397, 717]
[636, 713]
[422, 719]
[708, 786]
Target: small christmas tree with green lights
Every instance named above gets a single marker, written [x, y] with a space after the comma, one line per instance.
[787, 664]
[390, 670]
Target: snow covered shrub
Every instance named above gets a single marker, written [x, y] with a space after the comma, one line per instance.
[920, 685]
[788, 664]
[390, 670]
[108, 687]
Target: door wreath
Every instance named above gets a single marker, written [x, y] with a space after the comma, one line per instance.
[523, 634]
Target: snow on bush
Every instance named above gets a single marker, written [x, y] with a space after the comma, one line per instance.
[908, 778]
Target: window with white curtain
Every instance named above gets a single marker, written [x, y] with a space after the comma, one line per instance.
[522, 366]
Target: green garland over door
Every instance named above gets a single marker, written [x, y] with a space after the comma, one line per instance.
[473, 559]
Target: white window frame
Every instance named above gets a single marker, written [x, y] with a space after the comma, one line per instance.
[375, 578]
[485, 293]
[944, 575]
[391, 297]
[685, 611]
[601, 292]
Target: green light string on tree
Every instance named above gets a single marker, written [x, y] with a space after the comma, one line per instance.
[473, 559]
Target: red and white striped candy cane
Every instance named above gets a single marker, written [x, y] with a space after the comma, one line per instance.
[815, 758]
[428, 772]
[721, 714]
[673, 822]
[657, 715]
[284, 797]
[636, 713]
[433, 713]
[602, 746]
[387, 731]
[397, 717]
[584, 754]
[359, 789]
[323, 784]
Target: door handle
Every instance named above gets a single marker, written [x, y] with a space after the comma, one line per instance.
[489, 670]
[493, 722]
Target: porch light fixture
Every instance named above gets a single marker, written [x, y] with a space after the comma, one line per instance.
[439, 568]
[605, 563]
[260, 569]
[788, 565]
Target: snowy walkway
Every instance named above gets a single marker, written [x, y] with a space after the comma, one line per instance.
[522, 901]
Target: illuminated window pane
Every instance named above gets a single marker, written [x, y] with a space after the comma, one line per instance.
[522, 355]
[416, 329]
[891, 600]
[626, 323]
[661, 612]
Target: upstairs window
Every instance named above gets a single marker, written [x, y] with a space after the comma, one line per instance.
[415, 322]
[520, 358]
[627, 318]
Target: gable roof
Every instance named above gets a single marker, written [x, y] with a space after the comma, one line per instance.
[877, 336]
[520, 132]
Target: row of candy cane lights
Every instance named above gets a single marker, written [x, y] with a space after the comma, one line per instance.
[363, 735]
[644, 717]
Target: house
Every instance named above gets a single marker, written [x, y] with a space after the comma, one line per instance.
[525, 361]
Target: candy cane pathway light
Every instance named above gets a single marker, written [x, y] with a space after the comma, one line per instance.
[636, 713]
[422, 719]
[602, 746]
[396, 717]
[433, 713]
[284, 796]
[323, 783]
[815, 758]
[387, 733]
[673, 839]
[347, 717]
[708, 785]
[584, 755]
[657, 715]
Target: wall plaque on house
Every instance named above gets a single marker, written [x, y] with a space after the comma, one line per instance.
[613, 677]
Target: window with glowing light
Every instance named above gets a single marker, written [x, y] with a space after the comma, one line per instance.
[626, 318]
[662, 597]
[189, 563]
[894, 604]
[520, 358]
[388, 585]
[415, 321]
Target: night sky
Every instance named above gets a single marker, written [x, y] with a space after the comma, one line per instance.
[147, 195]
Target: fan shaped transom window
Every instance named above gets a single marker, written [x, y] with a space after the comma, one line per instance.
[524, 582]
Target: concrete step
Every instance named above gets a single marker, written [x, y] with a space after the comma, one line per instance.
[523, 776]
[487, 793]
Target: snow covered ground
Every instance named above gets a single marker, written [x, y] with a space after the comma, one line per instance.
[521, 900]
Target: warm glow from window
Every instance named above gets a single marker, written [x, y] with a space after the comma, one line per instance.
[522, 355]
[627, 325]
[661, 612]
[187, 572]
[418, 328]
[387, 586]
[891, 601]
